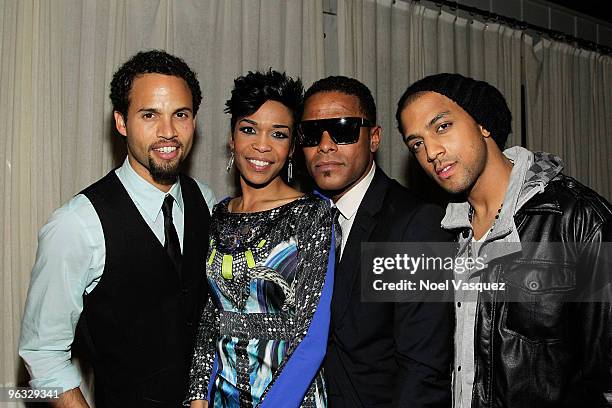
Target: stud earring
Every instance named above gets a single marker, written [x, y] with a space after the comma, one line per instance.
[230, 163]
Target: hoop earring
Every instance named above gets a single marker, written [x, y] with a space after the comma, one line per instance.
[230, 163]
[290, 170]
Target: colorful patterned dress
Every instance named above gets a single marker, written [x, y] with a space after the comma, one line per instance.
[263, 333]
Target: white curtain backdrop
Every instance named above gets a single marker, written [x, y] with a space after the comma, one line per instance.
[390, 44]
[57, 58]
[569, 99]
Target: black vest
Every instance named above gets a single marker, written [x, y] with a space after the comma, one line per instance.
[141, 318]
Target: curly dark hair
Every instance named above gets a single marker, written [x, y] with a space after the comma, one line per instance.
[256, 88]
[151, 62]
[349, 86]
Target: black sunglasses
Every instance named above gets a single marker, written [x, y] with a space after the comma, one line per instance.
[341, 130]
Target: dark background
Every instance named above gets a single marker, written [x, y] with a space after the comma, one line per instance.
[594, 8]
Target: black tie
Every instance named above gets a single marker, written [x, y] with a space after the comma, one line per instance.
[172, 245]
[338, 230]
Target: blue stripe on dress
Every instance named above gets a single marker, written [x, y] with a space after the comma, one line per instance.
[283, 259]
[292, 384]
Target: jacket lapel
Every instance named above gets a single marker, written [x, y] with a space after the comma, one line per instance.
[349, 268]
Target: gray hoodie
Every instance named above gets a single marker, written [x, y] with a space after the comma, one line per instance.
[530, 175]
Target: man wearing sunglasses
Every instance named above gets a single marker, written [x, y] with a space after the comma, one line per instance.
[380, 354]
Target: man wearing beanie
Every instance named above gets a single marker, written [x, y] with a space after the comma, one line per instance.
[541, 337]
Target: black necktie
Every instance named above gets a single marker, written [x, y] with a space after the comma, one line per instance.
[172, 245]
[338, 230]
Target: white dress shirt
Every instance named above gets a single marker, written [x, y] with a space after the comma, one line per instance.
[349, 203]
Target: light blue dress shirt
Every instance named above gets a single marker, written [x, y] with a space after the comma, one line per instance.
[69, 263]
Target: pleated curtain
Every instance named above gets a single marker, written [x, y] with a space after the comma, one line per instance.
[57, 58]
[389, 44]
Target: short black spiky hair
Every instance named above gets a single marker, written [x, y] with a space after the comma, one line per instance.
[151, 62]
[256, 88]
[349, 86]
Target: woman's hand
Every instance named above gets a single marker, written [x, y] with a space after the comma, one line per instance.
[199, 404]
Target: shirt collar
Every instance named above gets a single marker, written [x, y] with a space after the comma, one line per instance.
[146, 196]
[349, 203]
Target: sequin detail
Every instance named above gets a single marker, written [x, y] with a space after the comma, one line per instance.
[256, 325]
[255, 318]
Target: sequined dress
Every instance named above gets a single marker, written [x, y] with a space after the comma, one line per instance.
[263, 333]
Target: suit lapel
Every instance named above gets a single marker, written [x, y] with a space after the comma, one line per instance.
[349, 269]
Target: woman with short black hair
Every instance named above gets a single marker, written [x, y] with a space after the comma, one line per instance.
[263, 334]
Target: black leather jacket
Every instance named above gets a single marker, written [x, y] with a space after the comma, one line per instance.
[543, 351]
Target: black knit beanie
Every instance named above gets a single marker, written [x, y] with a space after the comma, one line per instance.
[479, 99]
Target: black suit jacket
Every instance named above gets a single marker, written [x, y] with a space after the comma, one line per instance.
[388, 354]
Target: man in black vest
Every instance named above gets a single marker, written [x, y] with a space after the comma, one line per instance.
[380, 354]
[124, 257]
